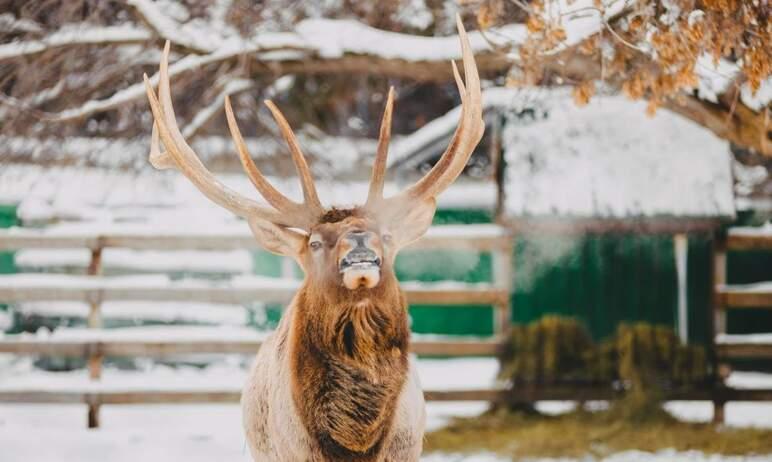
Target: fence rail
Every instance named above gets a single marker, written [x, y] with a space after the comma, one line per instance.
[481, 237]
[163, 348]
[518, 395]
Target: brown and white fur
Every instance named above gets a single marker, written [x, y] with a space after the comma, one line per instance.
[335, 381]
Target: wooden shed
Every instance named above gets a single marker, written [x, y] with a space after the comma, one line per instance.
[613, 211]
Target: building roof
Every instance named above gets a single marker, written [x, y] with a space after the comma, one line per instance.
[610, 162]
[77, 193]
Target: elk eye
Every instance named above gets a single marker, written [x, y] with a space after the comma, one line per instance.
[315, 245]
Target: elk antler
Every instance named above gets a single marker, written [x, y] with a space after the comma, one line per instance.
[181, 156]
[468, 133]
[291, 214]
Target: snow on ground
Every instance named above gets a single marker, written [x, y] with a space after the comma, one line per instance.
[208, 432]
[195, 433]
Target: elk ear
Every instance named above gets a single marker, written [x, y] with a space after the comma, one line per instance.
[273, 238]
[411, 223]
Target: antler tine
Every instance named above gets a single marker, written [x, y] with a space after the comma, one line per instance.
[310, 198]
[468, 132]
[158, 159]
[377, 178]
[180, 155]
[266, 189]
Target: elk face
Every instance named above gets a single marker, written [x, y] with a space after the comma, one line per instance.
[351, 250]
[354, 248]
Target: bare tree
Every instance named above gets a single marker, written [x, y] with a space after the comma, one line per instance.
[74, 68]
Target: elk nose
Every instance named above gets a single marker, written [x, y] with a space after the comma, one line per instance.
[357, 239]
[359, 254]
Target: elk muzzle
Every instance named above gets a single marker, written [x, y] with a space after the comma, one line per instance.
[360, 264]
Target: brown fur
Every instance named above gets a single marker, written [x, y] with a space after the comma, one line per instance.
[349, 363]
[335, 382]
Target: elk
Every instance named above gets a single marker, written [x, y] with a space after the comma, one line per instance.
[335, 381]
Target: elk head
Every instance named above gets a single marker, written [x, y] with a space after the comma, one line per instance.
[352, 248]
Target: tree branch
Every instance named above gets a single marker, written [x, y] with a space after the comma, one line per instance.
[74, 35]
[741, 126]
[203, 116]
[169, 29]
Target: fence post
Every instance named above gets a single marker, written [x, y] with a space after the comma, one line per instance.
[94, 322]
[718, 318]
[502, 278]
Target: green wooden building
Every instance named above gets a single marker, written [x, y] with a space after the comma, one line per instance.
[613, 212]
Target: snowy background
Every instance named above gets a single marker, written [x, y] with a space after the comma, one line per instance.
[73, 159]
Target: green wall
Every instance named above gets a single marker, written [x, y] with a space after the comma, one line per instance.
[608, 279]
[7, 219]
[744, 268]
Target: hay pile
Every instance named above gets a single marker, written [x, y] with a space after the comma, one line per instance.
[643, 360]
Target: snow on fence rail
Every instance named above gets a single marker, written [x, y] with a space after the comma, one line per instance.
[96, 343]
[484, 237]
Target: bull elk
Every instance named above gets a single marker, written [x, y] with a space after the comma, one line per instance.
[335, 381]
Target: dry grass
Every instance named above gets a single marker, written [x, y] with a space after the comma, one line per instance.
[581, 433]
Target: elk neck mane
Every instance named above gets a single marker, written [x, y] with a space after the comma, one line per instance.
[348, 364]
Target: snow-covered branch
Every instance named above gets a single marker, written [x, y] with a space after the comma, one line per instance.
[169, 29]
[325, 46]
[72, 35]
[326, 153]
[204, 115]
[9, 23]
[137, 90]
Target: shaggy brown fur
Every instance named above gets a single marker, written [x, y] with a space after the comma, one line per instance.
[348, 352]
[335, 215]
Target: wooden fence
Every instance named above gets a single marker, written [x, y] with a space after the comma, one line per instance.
[731, 297]
[95, 289]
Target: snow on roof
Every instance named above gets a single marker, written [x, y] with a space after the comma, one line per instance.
[420, 143]
[153, 197]
[608, 160]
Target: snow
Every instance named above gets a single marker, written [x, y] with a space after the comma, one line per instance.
[76, 34]
[765, 286]
[412, 148]
[206, 432]
[713, 77]
[580, 18]
[209, 313]
[758, 231]
[745, 338]
[716, 77]
[166, 334]
[332, 38]
[170, 29]
[146, 282]
[139, 261]
[10, 23]
[589, 163]
[326, 38]
[164, 198]
[65, 245]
